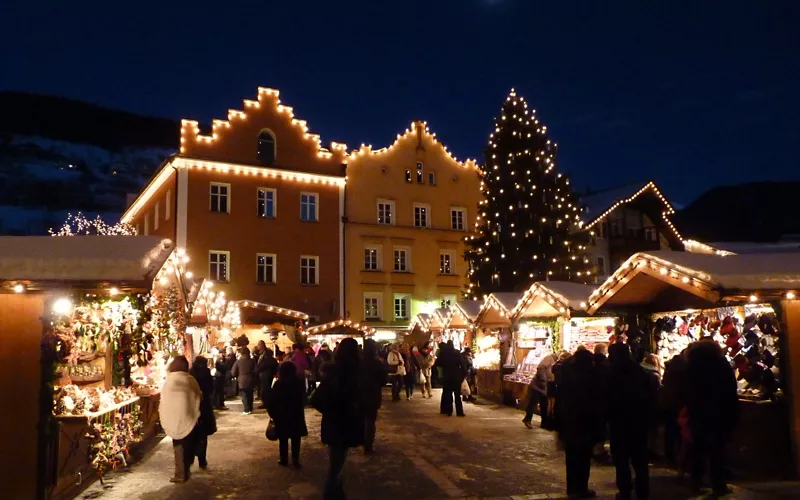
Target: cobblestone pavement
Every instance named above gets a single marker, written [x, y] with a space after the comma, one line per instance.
[419, 455]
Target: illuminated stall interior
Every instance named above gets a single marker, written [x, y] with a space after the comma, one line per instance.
[746, 303]
[334, 332]
[278, 327]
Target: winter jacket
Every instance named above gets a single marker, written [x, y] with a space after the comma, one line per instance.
[221, 367]
[286, 407]
[394, 358]
[544, 374]
[323, 358]
[373, 377]
[425, 363]
[711, 392]
[631, 398]
[205, 381]
[244, 370]
[179, 408]
[267, 369]
[300, 360]
[578, 402]
[451, 363]
[339, 399]
[671, 396]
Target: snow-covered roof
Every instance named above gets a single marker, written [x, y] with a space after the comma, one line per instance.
[508, 300]
[707, 276]
[553, 298]
[469, 308]
[82, 258]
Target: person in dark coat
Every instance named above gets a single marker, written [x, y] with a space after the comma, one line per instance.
[470, 375]
[286, 408]
[451, 364]
[412, 369]
[220, 375]
[713, 408]
[631, 396]
[340, 400]
[670, 401]
[267, 370]
[244, 370]
[207, 422]
[323, 358]
[581, 421]
[374, 377]
[537, 393]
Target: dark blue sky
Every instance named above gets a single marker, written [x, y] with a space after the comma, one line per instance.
[691, 93]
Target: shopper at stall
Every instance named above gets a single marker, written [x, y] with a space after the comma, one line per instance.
[267, 370]
[537, 393]
[221, 374]
[601, 365]
[244, 370]
[373, 378]
[552, 387]
[208, 423]
[425, 360]
[323, 358]
[671, 399]
[712, 406]
[339, 399]
[230, 385]
[397, 371]
[578, 406]
[286, 407]
[470, 375]
[631, 396]
[412, 369]
[302, 363]
[179, 412]
[451, 364]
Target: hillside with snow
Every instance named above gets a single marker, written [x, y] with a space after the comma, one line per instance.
[59, 156]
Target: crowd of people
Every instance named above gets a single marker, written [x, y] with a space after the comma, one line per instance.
[608, 395]
[344, 384]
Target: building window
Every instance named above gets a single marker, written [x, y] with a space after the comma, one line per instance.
[372, 305]
[219, 265]
[267, 203]
[601, 266]
[168, 205]
[457, 216]
[401, 260]
[372, 259]
[650, 234]
[401, 306]
[309, 270]
[385, 212]
[408, 176]
[219, 197]
[146, 224]
[420, 173]
[448, 300]
[616, 228]
[156, 215]
[432, 178]
[265, 268]
[421, 215]
[309, 207]
[446, 265]
[266, 147]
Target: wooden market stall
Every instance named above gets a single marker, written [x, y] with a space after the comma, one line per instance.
[333, 332]
[462, 321]
[494, 342]
[549, 318]
[44, 280]
[747, 303]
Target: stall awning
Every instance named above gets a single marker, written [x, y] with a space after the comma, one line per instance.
[344, 327]
[463, 313]
[421, 321]
[674, 280]
[269, 312]
[439, 319]
[48, 261]
[553, 298]
[496, 309]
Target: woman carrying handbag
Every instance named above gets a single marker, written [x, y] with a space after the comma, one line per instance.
[397, 371]
[286, 404]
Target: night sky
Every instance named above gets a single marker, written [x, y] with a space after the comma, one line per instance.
[688, 93]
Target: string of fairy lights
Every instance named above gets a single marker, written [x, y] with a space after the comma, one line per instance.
[529, 220]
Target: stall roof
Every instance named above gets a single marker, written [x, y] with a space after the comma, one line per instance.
[469, 308]
[553, 298]
[497, 307]
[423, 320]
[272, 309]
[118, 259]
[671, 277]
[342, 326]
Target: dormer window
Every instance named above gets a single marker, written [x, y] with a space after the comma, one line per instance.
[266, 147]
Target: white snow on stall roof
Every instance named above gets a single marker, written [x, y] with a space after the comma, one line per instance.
[470, 308]
[509, 300]
[82, 258]
[572, 293]
[761, 271]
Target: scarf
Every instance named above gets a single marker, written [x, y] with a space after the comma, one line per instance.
[179, 408]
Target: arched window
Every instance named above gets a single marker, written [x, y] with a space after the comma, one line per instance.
[266, 147]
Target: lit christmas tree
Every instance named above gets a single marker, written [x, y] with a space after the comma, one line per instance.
[527, 226]
[80, 225]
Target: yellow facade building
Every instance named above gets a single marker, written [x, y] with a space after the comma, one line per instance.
[408, 209]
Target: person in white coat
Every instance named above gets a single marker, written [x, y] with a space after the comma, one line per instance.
[397, 371]
[179, 411]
